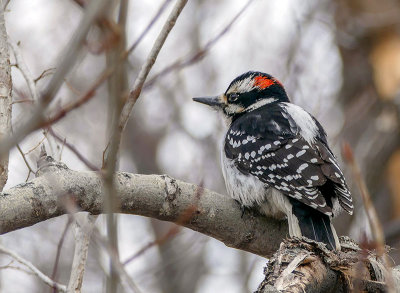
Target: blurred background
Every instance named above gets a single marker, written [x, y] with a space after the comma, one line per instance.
[340, 60]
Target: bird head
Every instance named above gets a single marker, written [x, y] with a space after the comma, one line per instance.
[247, 92]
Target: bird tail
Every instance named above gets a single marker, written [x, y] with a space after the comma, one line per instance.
[308, 222]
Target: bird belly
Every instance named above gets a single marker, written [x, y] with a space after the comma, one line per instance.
[249, 191]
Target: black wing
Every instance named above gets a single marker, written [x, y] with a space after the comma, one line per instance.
[268, 145]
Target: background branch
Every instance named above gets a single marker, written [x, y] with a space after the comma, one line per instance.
[5, 97]
[33, 269]
[82, 240]
[68, 59]
[151, 59]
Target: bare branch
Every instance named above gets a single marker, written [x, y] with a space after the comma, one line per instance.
[21, 65]
[87, 226]
[149, 26]
[373, 219]
[84, 98]
[82, 239]
[59, 246]
[200, 54]
[174, 230]
[5, 97]
[94, 9]
[34, 270]
[73, 149]
[159, 197]
[36, 146]
[103, 242]
[45, 73]
[30, 170]
[117, 88]
[151, 59]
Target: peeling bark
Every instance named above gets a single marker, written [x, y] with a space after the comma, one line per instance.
[307, 266]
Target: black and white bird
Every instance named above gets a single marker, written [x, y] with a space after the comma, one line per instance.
[275, 157]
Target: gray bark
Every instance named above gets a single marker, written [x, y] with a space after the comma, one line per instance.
[157, 196]
[5, 96]
[297, 266]
[307, 266]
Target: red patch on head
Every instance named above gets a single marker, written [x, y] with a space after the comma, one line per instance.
[263, 82]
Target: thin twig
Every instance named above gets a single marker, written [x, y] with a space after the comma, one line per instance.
[200, 54]
[185, 217]
[45, 73]
[151, 59]
[81, 100]
[101, 242]
[149, 26]
[94, 9]
[23, 101]
[34, 270]
[82, 233]
[103, 76]
[92, 90]
[372, 216]
[26, 271]
[72, 89]
[26, 161]
[73, 149]
[21, 65]
[36, 146]
[59, 246]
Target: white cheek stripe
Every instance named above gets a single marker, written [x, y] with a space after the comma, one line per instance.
[259, 104]
[233, 109]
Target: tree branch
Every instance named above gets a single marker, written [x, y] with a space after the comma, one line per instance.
[82, 239]
[68, 59]
[307, 266]
[156, 196]
[151, 59]
[298, 265]
[5, 97]
[33, 269]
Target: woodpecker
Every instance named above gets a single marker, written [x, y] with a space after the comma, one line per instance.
[275, 158]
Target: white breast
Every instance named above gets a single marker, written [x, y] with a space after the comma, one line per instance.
[251, 192]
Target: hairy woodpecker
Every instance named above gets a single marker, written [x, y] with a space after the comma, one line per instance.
[275, 157]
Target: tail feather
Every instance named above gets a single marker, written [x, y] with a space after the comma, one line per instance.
[308, 222]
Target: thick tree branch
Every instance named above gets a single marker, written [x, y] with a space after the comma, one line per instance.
[156, 196]
[298, 266]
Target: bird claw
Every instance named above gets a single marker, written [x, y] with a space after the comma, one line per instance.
[242, 208]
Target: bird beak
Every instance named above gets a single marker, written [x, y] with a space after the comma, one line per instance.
[215, 102]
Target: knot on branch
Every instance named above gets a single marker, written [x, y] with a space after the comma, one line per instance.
[46, 164]
[302, 265]
[172, 189]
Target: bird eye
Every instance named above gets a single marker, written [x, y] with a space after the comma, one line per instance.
[233, 97]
